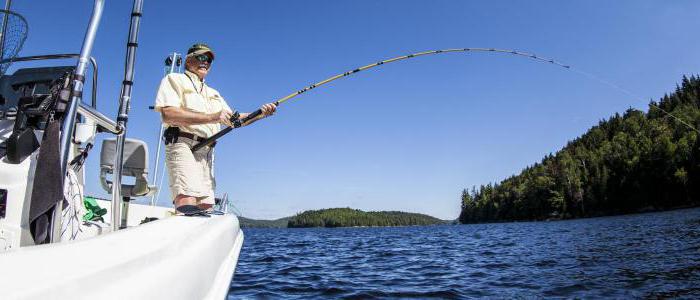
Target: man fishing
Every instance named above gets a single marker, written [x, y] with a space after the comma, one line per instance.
[193, 111]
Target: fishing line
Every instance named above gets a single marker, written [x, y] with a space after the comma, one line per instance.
[240, 122]
[633, 95]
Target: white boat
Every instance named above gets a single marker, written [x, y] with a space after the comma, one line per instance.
[47, 250]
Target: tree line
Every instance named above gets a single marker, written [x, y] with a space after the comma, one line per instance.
[632, 162]
[253, 223]
[347, 217]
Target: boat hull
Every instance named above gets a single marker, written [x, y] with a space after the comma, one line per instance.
[172, 258]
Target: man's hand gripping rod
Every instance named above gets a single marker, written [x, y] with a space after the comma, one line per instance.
[237, 122]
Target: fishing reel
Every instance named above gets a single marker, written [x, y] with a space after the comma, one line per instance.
[236, 119]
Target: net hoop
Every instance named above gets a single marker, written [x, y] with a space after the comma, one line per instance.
[13, 33]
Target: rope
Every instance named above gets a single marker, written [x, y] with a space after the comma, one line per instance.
[71, 225]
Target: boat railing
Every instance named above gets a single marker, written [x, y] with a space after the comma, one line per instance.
[99, 118]
[69, 121]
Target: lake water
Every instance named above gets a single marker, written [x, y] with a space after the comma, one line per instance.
[653, 255]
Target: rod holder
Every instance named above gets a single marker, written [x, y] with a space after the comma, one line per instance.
[123, 114]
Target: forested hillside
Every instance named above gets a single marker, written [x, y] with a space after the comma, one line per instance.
[347, 217]
[253, 223]
[631, 162]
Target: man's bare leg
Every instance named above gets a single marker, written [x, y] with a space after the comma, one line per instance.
[181, 200]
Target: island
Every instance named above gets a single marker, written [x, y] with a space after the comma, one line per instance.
[253, 223]
[345, 217]
[348, 217]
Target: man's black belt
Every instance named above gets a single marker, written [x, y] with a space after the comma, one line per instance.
[171, 135]
[195, 138]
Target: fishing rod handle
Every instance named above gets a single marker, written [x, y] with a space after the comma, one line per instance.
[255, 114]
[236, 121]
[251, 116]
[211, 139]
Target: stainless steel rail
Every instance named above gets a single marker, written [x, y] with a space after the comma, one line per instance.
[99, 118]
[174, 59]
[76, 97]
[78, 83]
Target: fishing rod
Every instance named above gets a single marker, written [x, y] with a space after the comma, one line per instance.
[238, 122]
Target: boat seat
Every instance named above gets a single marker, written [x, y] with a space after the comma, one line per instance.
[135, 162]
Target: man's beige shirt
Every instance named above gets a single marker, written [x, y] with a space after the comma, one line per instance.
[188, 92]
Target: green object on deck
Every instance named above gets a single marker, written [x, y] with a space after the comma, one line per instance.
[94, 211]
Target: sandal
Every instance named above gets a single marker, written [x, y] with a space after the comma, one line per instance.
[191, 211]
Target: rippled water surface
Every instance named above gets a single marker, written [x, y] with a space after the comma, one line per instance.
[645, 255]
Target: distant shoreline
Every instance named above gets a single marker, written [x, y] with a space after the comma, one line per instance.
[277, 223]
[641, 211]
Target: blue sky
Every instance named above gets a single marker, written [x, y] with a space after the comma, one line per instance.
[406, 136]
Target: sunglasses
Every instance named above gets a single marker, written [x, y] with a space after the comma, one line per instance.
[203, 58]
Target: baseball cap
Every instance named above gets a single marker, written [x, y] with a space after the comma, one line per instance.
[200, 48]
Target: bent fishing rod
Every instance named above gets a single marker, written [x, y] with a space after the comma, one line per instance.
[237, 121]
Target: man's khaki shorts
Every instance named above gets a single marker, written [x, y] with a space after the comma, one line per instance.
[191, 174]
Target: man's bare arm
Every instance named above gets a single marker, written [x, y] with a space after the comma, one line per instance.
[178, 116]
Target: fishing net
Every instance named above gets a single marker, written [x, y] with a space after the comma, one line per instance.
[13, 33]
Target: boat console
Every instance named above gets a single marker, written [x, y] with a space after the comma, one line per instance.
[31, 96]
